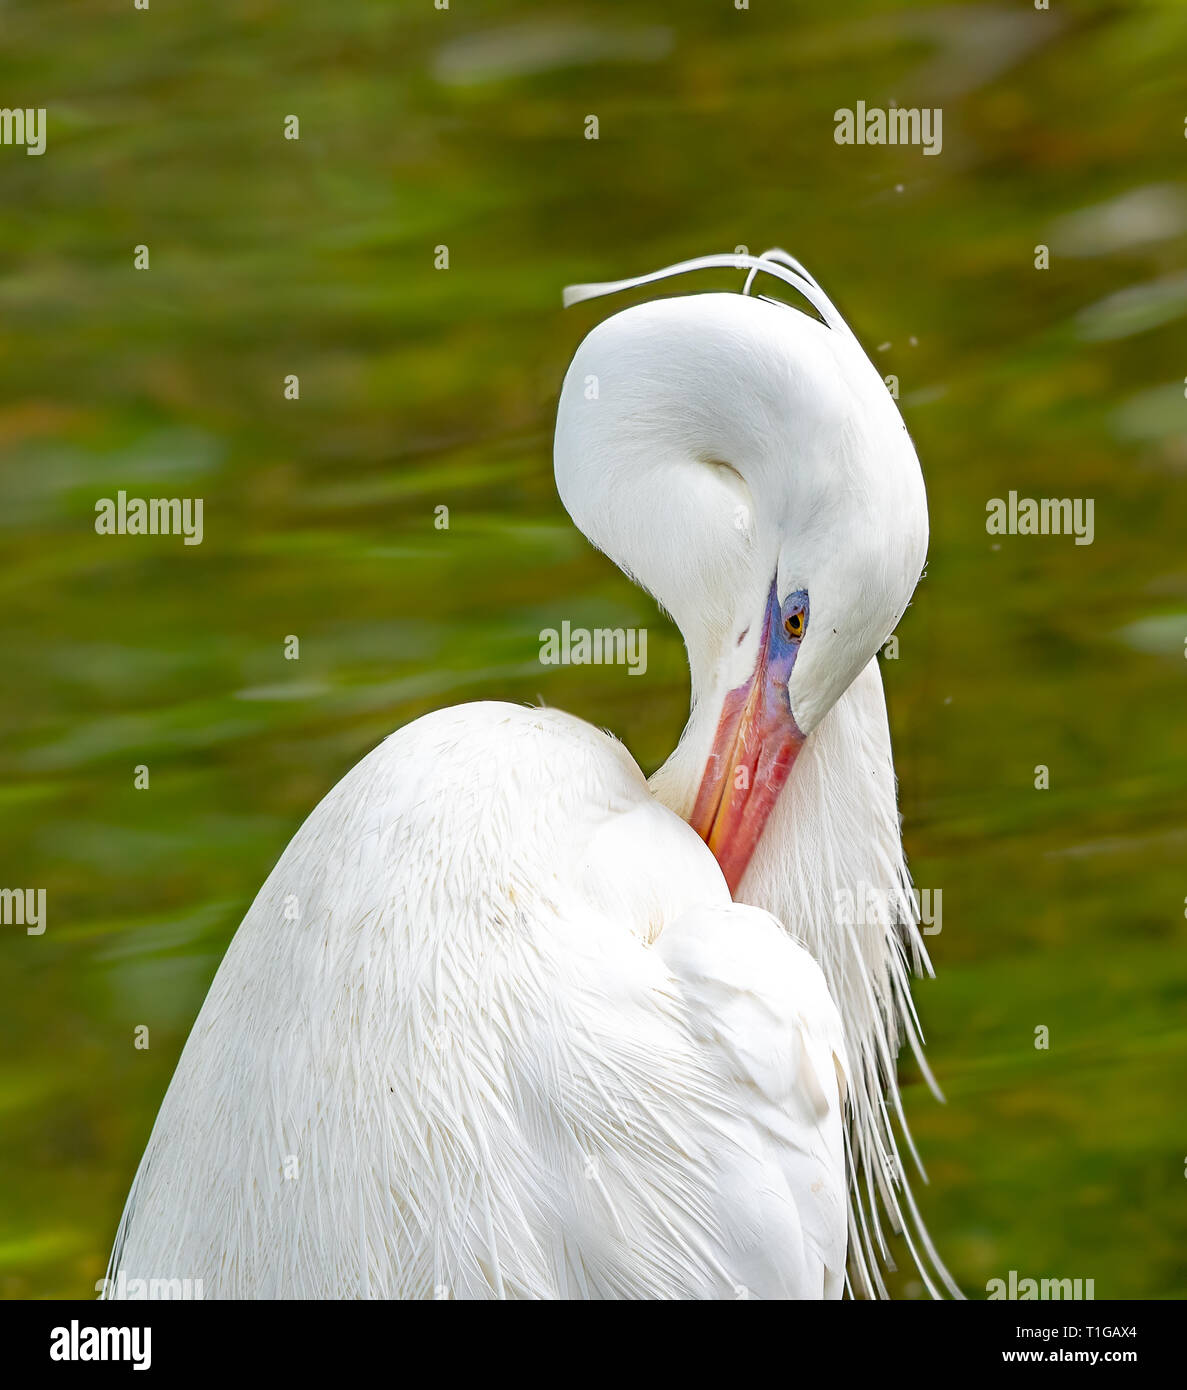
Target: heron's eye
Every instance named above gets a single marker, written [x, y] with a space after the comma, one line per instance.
[793, 624]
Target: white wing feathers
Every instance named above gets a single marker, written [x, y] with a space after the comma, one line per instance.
[759, 1007]
[493, 1028]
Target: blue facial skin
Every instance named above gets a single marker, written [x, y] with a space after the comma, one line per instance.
[782, 649]
[777, 649]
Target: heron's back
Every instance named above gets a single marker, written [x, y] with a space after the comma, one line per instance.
[469, 1041]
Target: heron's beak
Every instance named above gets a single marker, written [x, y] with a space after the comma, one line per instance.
[757, 741]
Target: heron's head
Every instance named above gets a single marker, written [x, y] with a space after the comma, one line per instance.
[746, 464]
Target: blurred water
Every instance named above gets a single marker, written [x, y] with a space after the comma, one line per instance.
[419, 388]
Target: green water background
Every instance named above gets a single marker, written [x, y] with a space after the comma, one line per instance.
[1062, 908]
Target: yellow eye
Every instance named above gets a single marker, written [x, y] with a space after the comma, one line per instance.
[793, 625]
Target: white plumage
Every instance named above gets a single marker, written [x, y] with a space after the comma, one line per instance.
[509, 1072]
[493, 1026]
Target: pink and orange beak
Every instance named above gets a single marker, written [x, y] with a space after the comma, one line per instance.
[756, 743]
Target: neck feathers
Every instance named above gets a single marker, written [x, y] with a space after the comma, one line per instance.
[830, 867]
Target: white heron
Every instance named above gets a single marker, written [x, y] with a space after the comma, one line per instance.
[508, 1021]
